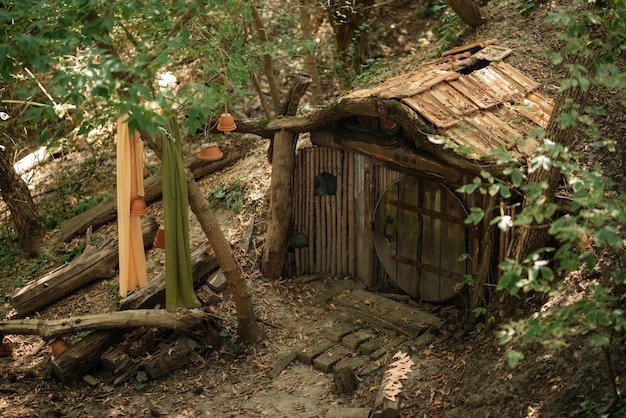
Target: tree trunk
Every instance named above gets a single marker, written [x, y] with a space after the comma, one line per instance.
[529, 238]
[267, 60]
[309, 56]
[347, 19]
[468, 11]
[15, 193]
[248, 329]
[284, 156]
[47, 329]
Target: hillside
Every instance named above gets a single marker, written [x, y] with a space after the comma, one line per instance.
[458, 371]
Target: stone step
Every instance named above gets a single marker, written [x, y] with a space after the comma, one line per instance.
[326, 361]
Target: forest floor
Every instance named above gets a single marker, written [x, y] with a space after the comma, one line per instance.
[459, 372]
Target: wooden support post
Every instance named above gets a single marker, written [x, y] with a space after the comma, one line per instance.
[283, 157]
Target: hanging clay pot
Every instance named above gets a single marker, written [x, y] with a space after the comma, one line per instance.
[159, 238]
[138, 206]
[210, 152]
[58, 346]
[389, 126]
[226, 123]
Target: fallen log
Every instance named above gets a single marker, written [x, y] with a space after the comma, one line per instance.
[167, 360]
[96, 262]
[78, 359]
[52, 328]
[106, 211]
[203, 264]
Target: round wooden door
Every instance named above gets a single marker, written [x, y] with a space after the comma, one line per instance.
[419, 235]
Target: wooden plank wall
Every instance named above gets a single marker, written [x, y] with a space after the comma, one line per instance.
[383, 177]
[339, 227]
[327, 221]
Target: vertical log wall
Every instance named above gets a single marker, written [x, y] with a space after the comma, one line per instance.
[338, 226]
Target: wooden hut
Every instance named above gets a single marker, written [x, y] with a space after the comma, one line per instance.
[375, 197]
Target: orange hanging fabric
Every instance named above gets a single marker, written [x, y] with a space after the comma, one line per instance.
[132, 259]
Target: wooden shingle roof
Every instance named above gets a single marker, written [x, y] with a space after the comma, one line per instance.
[472, 98]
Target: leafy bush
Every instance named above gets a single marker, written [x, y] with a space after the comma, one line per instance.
[228, 196]
[587, 243]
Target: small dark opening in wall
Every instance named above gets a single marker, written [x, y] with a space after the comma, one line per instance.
[475, 66]
[325, 185]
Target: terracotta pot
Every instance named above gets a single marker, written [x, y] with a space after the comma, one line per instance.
[389, 126]
[159, 238]
[226, 123]
[58, 346]
[6, 348]
[138, 206]
[210, 153]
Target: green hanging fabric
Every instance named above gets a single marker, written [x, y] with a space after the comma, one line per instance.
[179, 289]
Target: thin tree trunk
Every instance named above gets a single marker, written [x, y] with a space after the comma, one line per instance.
[309, 57]
[468, 11]
[347, 19]
[529, 238]
[247, 327]
[267, 60]
[15, 193]
[257, 86]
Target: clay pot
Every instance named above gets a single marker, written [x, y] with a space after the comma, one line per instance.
[58, 346]
[159, 238]
[210, 153]
[6, 348]
[389, 126]
[138, 206]
[226, 123]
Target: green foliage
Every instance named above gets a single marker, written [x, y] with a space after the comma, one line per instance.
[597, 409]
[589, 241]
[54, 216]
[447, 32]
[526, 7]
[432, 9]
[229, 196]
[113, 57]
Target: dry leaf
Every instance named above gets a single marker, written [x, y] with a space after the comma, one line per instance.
[397, 370]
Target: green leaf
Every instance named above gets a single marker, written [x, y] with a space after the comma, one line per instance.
[567, 119]
[513, 357]
[471, 187]
[517, 177]
[608, 235]
[476, 215]
[494, 189]
[600, 340]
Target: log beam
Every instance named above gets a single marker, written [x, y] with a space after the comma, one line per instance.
[394, 153]
[52, 328]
